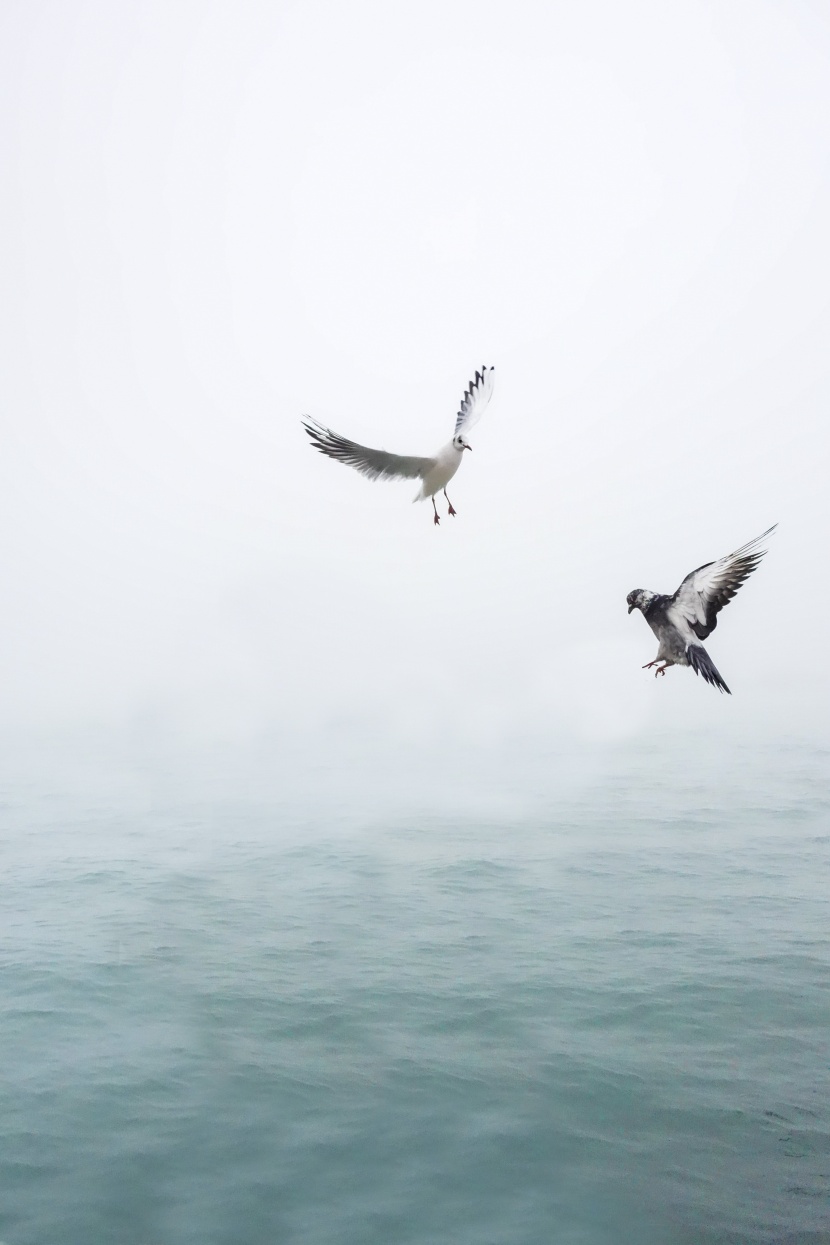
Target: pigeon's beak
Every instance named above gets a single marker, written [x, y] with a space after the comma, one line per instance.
[630, 608]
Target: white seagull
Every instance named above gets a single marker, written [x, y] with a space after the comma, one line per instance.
[434, 473]
[691, 614]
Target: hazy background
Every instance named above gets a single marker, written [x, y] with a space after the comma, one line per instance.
[217, 217]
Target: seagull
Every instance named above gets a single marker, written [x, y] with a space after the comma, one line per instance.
[691, 614]
[434, 473]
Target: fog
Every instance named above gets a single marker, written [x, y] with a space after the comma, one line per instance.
[220, 217]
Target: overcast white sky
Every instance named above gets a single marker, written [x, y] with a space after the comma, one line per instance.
[219, 216]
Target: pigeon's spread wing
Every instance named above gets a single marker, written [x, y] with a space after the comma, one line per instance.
[476, 397]
[376, 464]
[704, 592]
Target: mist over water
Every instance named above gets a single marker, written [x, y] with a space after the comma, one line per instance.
[579, 993]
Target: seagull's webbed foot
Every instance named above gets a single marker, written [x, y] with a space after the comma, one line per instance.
[449, 503]
[435, 520]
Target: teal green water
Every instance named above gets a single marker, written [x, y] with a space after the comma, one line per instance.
[587, 1011]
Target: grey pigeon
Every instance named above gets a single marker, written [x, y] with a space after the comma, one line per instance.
[680, 621]
[435, 472]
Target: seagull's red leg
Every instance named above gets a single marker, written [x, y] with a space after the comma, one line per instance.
[436, 520]
[449, 503]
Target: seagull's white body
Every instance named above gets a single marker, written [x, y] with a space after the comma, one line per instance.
[443, 467]
[434, 472]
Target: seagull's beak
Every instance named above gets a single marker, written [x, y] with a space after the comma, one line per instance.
[467, 447]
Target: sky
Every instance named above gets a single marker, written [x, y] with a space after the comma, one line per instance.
[220, 217]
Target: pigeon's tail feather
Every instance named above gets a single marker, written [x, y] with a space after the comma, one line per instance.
[702, 664]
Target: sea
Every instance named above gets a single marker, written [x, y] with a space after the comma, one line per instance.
[332, 993]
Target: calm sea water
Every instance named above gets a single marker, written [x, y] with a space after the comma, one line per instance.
[580, 1000]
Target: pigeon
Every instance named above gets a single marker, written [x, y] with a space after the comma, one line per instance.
[680, 621]
[434, 473]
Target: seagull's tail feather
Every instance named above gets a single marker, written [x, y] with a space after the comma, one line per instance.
[702, 664]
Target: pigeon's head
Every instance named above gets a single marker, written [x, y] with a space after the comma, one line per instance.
[460, 444]
[637, 599]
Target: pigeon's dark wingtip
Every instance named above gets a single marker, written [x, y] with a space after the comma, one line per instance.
[769, 532]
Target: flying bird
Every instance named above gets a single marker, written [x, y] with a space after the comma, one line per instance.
[682, 620]
[434, 473]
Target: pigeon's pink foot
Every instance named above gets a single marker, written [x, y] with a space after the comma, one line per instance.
[661, 670]
[649, 664]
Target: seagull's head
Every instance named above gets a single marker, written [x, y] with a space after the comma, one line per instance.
[460, 444]
[636, 599]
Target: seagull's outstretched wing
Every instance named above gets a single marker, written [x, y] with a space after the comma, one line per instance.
[704, 592]
[478, 394]
[376, 464]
